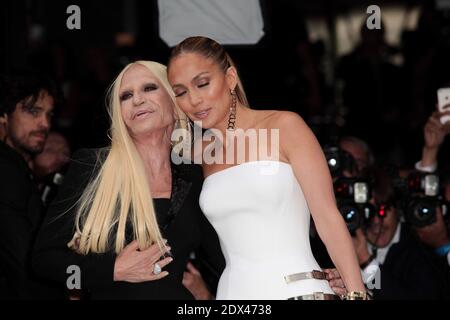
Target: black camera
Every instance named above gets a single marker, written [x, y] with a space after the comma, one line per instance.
[419, 198]
[338, 160]
[352, 196]
[421, 211]
[356, 215]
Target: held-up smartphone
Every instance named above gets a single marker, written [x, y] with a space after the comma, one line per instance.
[444, 103]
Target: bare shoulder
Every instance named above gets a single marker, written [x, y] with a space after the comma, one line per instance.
[295, 134]
[262, 116]
[287, 121]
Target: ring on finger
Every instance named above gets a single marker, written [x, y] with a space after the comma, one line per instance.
[156, 269]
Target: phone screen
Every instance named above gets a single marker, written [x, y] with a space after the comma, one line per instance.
[444, 103]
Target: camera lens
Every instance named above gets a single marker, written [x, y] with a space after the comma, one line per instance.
[422, 212]
[351, 216]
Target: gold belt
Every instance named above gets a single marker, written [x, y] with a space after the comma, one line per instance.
[315, 274]
[316, 296]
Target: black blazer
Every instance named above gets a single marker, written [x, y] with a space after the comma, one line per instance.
[185, 227]
[21, 212]
[409, 272]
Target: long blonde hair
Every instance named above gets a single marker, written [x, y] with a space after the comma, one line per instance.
[120, 193]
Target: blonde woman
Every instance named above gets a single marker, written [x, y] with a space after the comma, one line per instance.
[119, 205]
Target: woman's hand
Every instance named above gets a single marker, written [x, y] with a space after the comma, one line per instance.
[335, 281]
[133, 265]
[434, 131]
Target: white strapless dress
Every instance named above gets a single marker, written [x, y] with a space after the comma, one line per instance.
[261, 216]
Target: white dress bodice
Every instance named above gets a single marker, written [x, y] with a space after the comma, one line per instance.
[262, 219]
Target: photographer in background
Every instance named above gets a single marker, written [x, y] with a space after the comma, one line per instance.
[435, 235]
[349, 157]
[405, 270]
[360, 152]
[350, 160]
[434, 133]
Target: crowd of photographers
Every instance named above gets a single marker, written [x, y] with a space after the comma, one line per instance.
[398, 217]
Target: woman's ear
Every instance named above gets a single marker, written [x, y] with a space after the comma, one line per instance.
[232, 77]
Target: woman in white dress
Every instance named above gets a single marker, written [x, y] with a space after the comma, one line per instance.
[260, 205]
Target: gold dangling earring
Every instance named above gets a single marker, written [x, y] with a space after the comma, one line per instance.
[232, 116]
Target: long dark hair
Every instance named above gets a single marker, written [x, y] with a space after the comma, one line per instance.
[17, 87]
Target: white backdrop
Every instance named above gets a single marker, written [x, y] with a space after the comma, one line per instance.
[226, 21]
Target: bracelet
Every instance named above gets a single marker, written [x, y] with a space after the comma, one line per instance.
[443, 250]
[429, 169]
[356, 295]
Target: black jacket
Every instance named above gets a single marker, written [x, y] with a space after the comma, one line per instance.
[409, 272]
[184, 225]
[21, 213]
